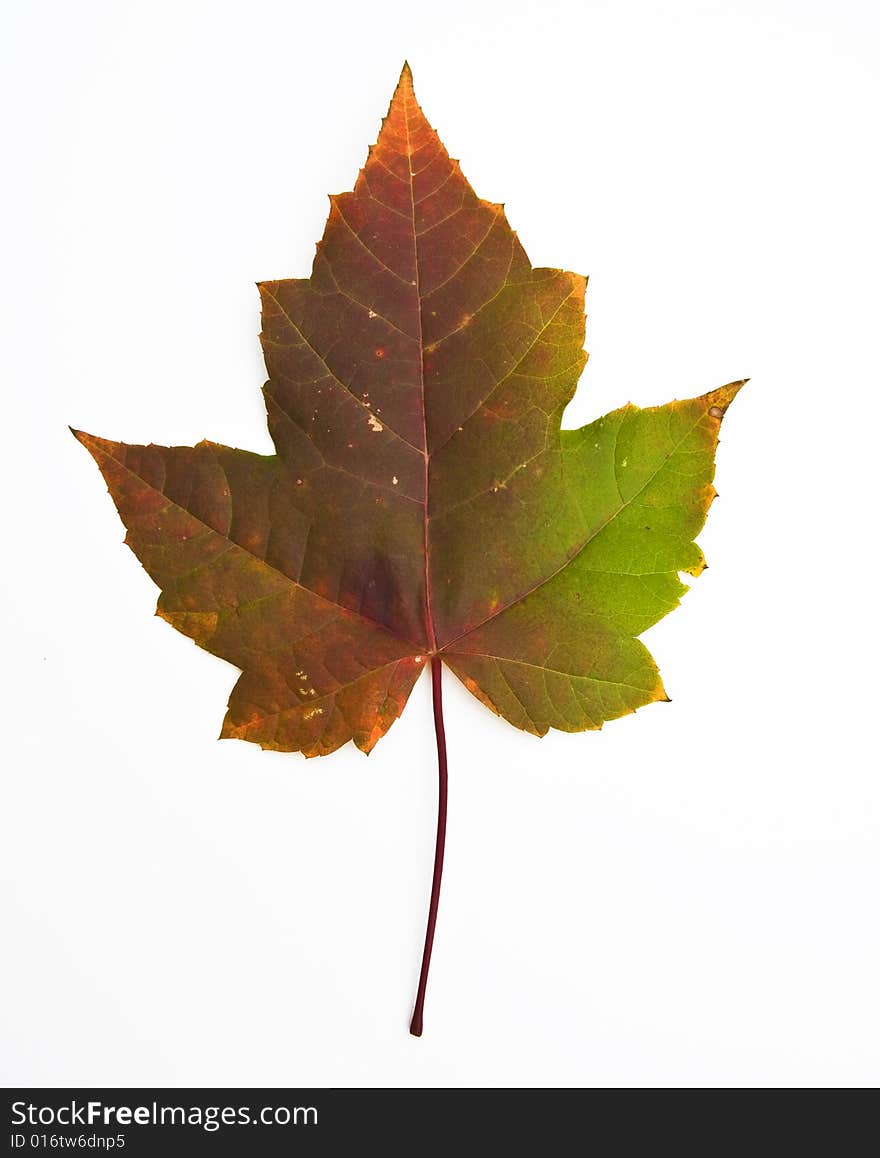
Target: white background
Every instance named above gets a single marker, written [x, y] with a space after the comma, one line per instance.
[687, 898]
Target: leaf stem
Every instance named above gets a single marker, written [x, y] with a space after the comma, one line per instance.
[415, 1027]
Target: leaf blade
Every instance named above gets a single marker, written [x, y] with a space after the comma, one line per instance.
[573, 636]
[423, 498]
[299, 652]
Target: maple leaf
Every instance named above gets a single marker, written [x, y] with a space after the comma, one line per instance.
[423, 502]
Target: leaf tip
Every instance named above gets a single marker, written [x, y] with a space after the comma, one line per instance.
[93, 444]
[405, 80]
[720, 399]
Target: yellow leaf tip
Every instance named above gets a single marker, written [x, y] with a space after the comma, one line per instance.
[720, 399]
